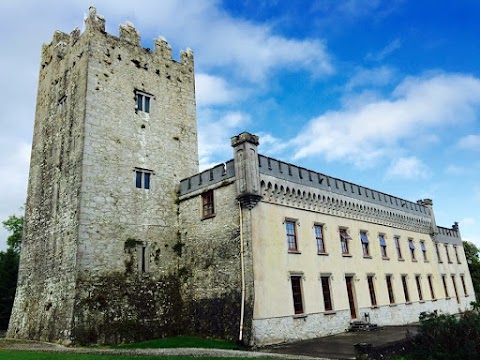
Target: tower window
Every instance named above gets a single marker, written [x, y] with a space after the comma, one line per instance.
[143, 101]
[142, 178]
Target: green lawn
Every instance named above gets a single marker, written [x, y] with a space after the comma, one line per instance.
[21, 355]
[181, 341]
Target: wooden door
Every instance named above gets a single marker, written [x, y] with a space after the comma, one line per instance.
[351, 296]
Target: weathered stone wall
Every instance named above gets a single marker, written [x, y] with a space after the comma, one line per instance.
[120, 138]
[46, 286]
[86, 221]
[210, 265]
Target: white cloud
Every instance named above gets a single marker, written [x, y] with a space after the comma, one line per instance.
[469, 221]
[407, 168]
[366, 132]
[385, 52]
[214, 90]
[214, 135]
[371, 77]
[248, 50]
[470, 142]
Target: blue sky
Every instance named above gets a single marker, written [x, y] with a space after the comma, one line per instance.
[385, 94]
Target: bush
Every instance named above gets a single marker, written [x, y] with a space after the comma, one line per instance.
[448, 337]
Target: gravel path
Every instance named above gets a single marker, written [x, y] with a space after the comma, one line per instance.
[22, 345]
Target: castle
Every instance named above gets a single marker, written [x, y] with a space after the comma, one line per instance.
[125, 241]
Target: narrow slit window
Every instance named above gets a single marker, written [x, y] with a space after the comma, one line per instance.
[327, 297]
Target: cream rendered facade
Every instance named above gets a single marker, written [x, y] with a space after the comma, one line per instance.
[307, 199]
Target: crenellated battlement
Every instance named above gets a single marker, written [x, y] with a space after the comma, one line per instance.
[449, 235]
[128, 34]
[208, 177]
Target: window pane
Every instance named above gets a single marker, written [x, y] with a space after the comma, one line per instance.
[147, 180]
[147, 104]
[138, 179]
[140, 102]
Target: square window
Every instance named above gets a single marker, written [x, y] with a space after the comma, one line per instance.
[142, 178]
[143, 101]
[208, 206]
[291, 229]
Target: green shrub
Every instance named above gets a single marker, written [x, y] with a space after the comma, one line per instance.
[448, 337]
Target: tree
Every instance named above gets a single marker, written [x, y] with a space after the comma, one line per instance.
[472, 253]
[9, 268]
[14, 224]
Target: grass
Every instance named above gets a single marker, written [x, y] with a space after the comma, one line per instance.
[181, 341]
[27, 355]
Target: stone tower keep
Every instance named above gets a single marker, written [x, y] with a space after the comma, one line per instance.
[115, 132]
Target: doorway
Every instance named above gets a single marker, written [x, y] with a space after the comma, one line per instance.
[351, 296]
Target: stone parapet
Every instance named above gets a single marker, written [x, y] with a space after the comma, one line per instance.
[302, 176]
[208, 177]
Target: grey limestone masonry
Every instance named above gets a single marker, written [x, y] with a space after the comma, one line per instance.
[87, 223]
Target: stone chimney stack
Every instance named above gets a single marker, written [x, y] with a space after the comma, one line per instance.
[246, 169]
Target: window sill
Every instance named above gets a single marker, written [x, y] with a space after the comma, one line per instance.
[300, 316]
[426, 261]
[440, 262]
[421, 301]
[434, 300]
[401, 259]
[408, 303]
[450, 262]
[367, 257]
[329, 312]
[385, 258]
[347, 255]
[323, 253]
[392, 305]
[375, 307]
[294, 252]
[414, 260]
[208, 217]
